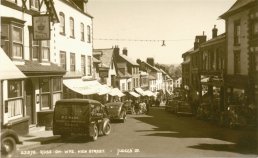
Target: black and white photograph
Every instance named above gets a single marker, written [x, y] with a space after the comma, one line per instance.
[129, 78]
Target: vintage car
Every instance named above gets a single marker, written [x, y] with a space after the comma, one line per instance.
[9, 139]
[81, 117]
[116, 110]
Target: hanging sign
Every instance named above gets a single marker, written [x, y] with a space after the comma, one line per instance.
[41, 27]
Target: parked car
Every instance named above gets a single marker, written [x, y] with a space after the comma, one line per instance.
[82, 117]
[9, 139]
[116, 111]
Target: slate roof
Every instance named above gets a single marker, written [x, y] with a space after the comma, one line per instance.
[236, 6]
[152, 67]
[129, 60]
[36, 67]
[122, 75]
[187, 52]
[105, 56]
[215, 40]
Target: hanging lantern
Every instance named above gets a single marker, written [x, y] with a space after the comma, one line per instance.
[163, 43]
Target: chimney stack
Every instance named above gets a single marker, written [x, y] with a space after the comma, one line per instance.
[150, 61]
[116, 51]
[214, 32]
[125, 51]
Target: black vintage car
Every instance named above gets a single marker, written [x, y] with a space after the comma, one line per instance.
[117, 110]
[81, 117]
[9, 139]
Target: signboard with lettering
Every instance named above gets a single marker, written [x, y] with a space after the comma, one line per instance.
[41, 27]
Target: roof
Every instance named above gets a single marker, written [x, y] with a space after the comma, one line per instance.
[36, 67]
[186, 61]
[120, 74]
[72, 4]
[215, 40]
[163, 71]
[151, 77]
[77, 100]
[130, 61]
[105, 56]
[95, 60]
[8, 70]
[152, 67]
[237, 6]
[189, 51]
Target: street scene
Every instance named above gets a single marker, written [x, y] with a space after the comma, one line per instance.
[142, 78]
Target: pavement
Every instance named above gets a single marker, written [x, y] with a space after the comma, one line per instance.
[36, 136]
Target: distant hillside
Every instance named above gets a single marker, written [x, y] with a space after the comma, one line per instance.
[174, 70]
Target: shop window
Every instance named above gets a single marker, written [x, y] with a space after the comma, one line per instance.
[14, 104]
[63, 59]
[72, 62]
[88, 34]
[82, 32]
[237, 33]
[14, 89]
[62, 23]
[237, 62]
[34, 4]
[45, 93]
[71, 27]
[57, 89]
[83, 67]
[89, 66]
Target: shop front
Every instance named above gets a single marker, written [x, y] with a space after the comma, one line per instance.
[12, 100]
[43, 88]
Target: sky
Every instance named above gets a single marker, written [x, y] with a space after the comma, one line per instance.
[137, 21]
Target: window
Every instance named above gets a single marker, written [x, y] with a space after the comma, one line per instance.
[17, 37]
[237, 62]
[14, 104]
[45, 50]
[35, 50]
[71, 27]
[62, 23]
[82, 32]
[72, 62]
[45, 93]
[123, 86]
[89, 66]
[14, 88]
[5, 38]
[57, 89]
[40, 50]
[83, 67]
[237, 33]
[88, 34]
[63, 60]
[34, 4]
[255, 29]
[13, 1]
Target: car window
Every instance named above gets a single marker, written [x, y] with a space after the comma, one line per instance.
[70, 111]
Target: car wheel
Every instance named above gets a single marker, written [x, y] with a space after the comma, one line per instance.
[107, 129]
[95, 134]
[8, 146]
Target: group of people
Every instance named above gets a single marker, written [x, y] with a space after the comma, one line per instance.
[141, 106]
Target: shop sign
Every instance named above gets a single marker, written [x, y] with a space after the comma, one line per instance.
[41, 27]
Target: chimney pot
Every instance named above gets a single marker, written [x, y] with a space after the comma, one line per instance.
[214, 32]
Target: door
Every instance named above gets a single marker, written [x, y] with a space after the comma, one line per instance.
[29, 100]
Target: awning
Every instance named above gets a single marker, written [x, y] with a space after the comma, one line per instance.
[116, 92]
[83, 87]
[140, 91]
[149, 93]
[134, 94]
[104, 89]
[205, 80]
[8, 70]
